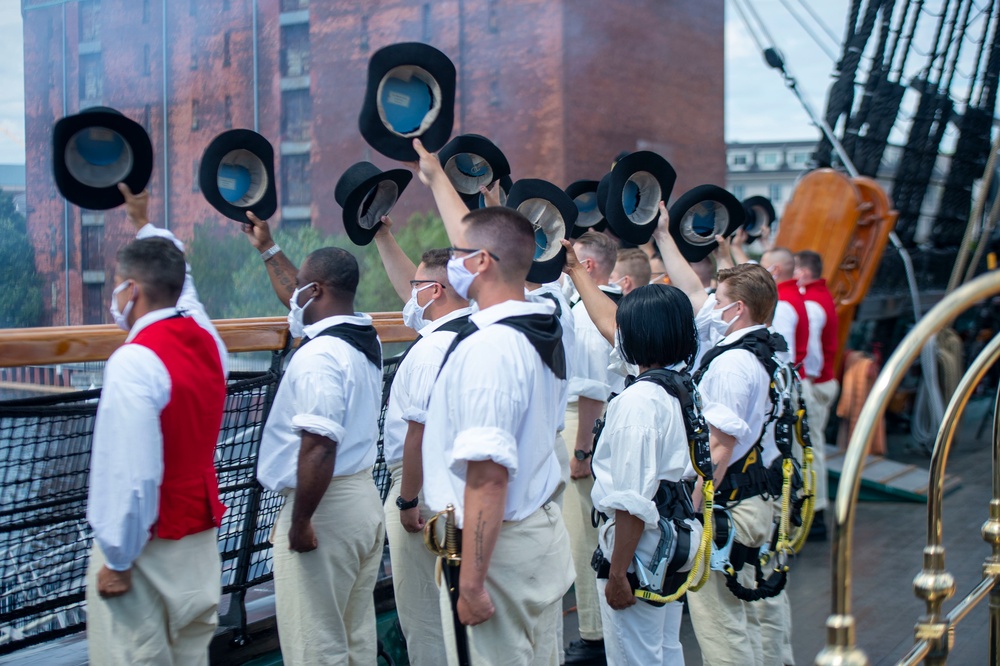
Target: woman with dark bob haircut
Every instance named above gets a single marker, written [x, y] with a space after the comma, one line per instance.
[643, 444]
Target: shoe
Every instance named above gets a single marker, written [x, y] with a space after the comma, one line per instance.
[582, 651]
[818, 530]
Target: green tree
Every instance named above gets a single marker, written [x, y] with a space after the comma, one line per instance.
[21, 300]
[232, 282]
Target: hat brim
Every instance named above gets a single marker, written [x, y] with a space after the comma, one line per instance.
[221, 146]
[440, 69]
[524, 191]
[754, 207]
[708, 201]
[479, 146]
[645, 179]
[101, 196]
[357, 197]
[587, 219]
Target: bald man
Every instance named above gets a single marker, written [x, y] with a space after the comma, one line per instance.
[790, 317]
[632, 270]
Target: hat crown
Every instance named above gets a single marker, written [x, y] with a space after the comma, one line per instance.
[354, 175]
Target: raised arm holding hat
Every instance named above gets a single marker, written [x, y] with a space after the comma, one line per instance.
[437, 313]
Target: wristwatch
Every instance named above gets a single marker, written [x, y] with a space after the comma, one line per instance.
[403, 505]
[582, 455]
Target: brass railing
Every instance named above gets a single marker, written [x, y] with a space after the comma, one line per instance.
[934, 631]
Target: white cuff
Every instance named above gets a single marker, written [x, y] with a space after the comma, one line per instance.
[723, 418]
[485, 443]
[318, 425]
[415, 415]
[589, 388]
[631, 502]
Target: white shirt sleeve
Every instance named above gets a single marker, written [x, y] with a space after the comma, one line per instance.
[785, 322]
[726, 393]
[420, 378]
[320, 399]
[126, 464]
[633, 468]
[189, 300]
[814, 352]
[590, 365]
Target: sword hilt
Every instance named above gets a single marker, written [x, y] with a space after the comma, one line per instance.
[450, 550]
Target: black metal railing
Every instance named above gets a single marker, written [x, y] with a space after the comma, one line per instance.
[44, 537]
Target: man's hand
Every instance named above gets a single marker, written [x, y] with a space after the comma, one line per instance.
[136, 206]
[411, 520]
[491, 195]
[112, 583]
[572, 261]
[766, 242]
[723, 254]
[429, 167]
[579, 469]
[258, 232]
[474, 606]
[741, 238]
[663, 222]
[618, 592]
[302, 538]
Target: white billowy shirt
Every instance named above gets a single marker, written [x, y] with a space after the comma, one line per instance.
[549, 293]
[735, 398]
[591, 377]
[814, 352]
[785, 322]
[329, 389]
[411, 387]
[189, 301]
[643, 443]
[126, 459]
[496, 400]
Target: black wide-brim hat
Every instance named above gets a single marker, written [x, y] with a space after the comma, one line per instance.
[471, 161]
[366, 193]
[699, 215]
[236, 175]
[410, 94]
[552, 213]
[759, 214]
[474, 201]
[637, 184]
[95, 150]
[589, 216]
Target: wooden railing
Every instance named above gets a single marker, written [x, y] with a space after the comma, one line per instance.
[78, 344]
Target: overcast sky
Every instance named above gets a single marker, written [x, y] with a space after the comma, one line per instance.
[758, 106]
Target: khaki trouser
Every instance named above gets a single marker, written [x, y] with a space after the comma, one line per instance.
[413, 583]
[775, 615]
[819, 401]
[528, 574]
[582, 537]
[323, 598]
[728, 630]
[169, 615]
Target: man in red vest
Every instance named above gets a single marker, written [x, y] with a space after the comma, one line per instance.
[821, 371]
[153, 582]
[790, 317]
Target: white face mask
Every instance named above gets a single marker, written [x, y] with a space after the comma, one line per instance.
[296, 325]
[413, 313]
[719, 325]
[461, 277]
[121, 317]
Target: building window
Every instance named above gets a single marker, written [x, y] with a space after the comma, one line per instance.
[194, 53]
[294, 223]
[293, 5]
[296, 115]
[492, 23]
[774, 192]
[145, 11]
[146, 117]
[495, 89]
[799, 159]
[94, 305]
[195, 181]
[225, 5]
[768, 160]
[193, 8]
[194, 114]
[229, 112]
[295, 190]
[225, 49]
[739, 159]
[91, 77]
[90, 20]
[92, 247]
[364, 33]
[425, 21]
[146, 67]
[295, 50]
[739, 191]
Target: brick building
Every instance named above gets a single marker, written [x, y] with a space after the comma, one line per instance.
[561, 85]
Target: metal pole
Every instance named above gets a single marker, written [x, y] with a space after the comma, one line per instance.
[65, 202]
[991, 534]
[166, 125]
[256, 93]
